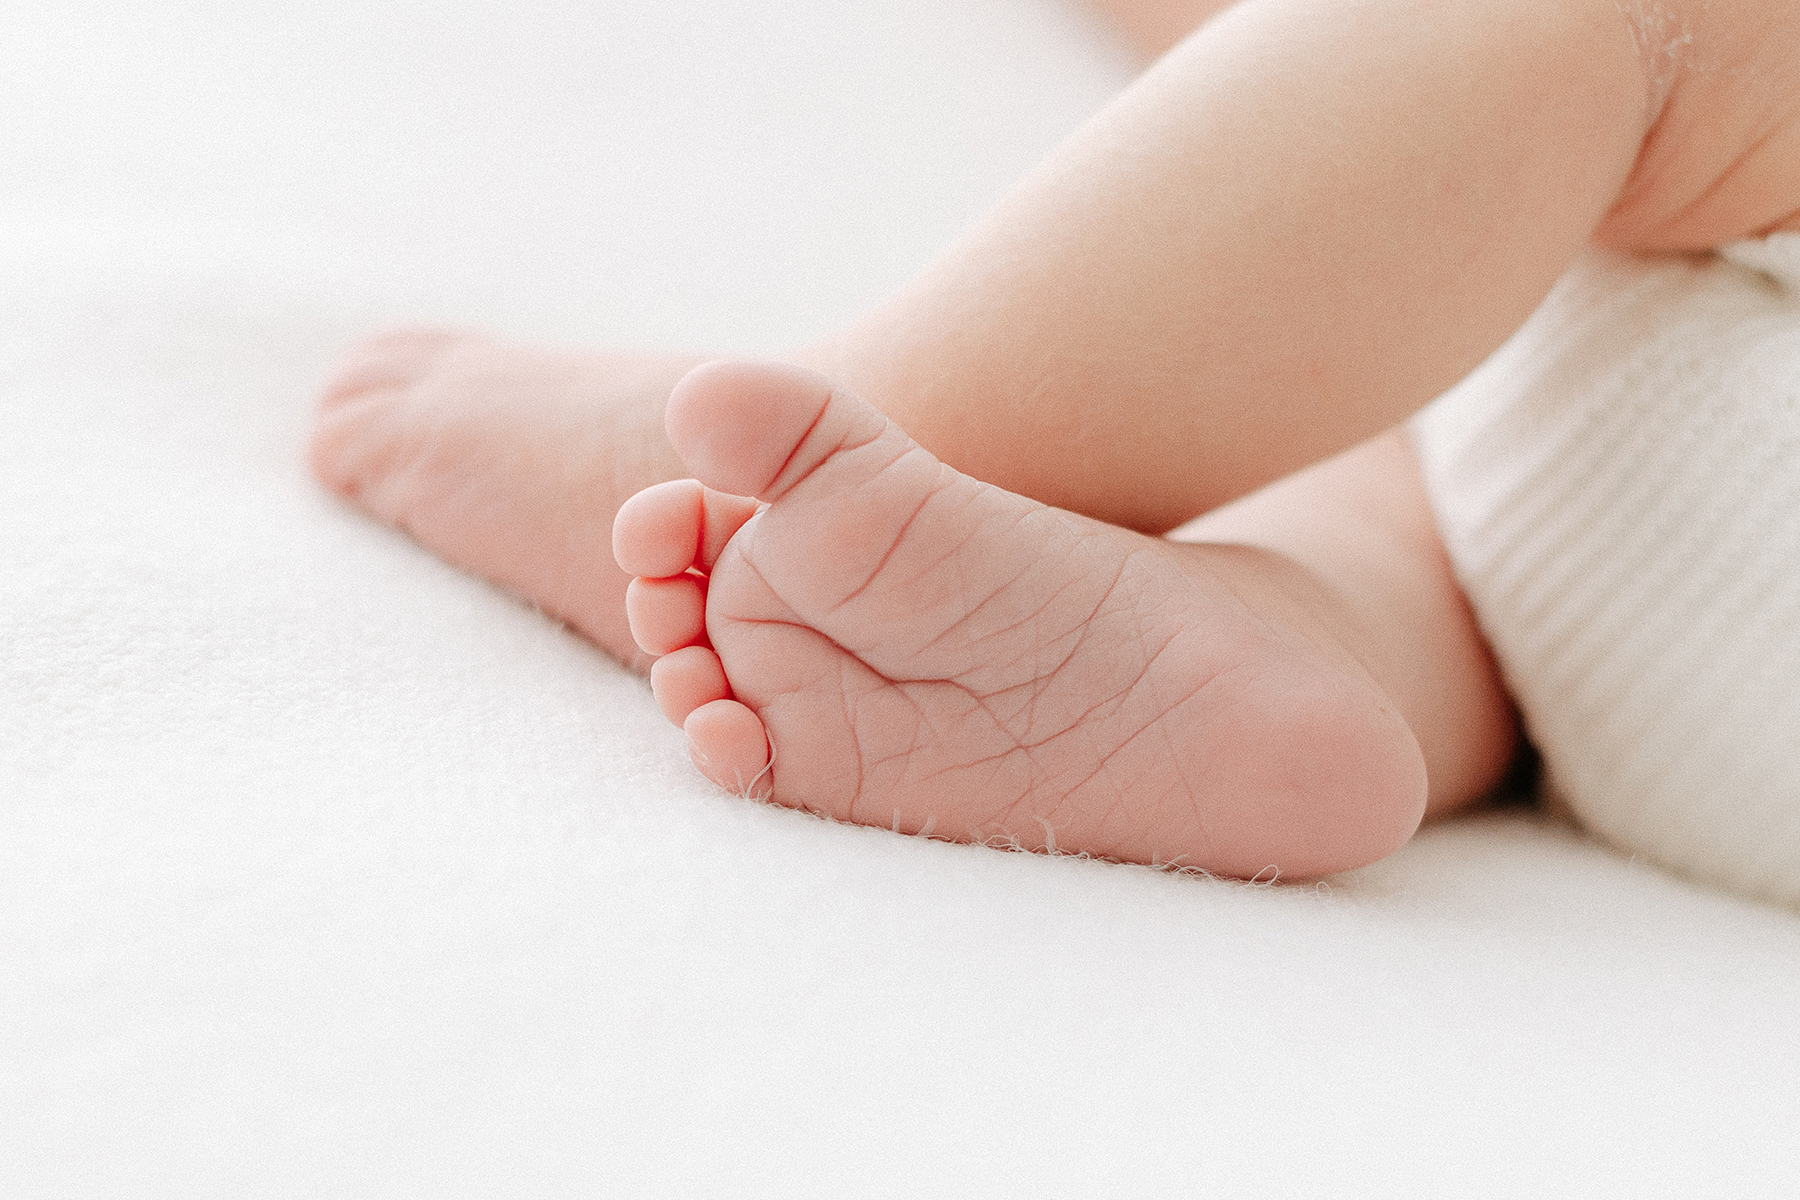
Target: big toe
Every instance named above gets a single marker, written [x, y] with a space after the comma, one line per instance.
[863, 529]
[730, 745]
[757, 429]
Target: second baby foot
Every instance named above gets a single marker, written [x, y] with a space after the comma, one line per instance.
[851, 627]
[508, 461]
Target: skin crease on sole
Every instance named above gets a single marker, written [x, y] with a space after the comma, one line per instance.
[927, 652]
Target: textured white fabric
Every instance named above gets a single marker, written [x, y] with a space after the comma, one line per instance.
[1619, 488]
[326, 871]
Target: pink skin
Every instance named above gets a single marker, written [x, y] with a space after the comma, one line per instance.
[1290, 234]
[928, 652]
[506, 462]
[511, 461]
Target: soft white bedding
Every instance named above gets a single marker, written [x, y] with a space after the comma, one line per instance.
[327, 871]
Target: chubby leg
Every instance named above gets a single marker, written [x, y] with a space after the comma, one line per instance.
[1208, 287]
[854, 628]
[1305, 221]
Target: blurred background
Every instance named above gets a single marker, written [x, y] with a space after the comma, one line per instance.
[713, 173]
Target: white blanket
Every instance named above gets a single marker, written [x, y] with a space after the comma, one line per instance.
[327, 871]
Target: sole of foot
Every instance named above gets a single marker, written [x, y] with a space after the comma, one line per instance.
[848, 626]
[508, 461]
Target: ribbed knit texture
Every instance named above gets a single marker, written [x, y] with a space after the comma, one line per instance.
[1619, 489]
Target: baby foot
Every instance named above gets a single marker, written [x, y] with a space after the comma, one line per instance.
[507, 461]
[851, 627]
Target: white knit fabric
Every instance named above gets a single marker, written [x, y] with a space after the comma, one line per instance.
[1619, 488]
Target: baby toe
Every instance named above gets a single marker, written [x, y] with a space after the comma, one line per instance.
[687, 679]
[666, 614]
[657, 531]
[730, 746]
[755, 428]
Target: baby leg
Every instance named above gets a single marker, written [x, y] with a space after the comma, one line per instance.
[1127, 337]
[854, 628]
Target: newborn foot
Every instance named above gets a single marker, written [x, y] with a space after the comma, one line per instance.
[887, 641]
[509, 462]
